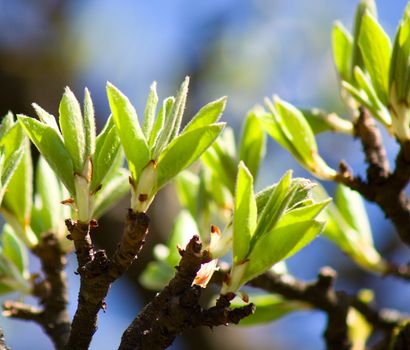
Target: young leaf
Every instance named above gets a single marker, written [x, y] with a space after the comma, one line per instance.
[209, 114]
[159, 122]
[182, 231]
[184, 150]
[274, 208]
[129, 130]
[115, 187]
[269, 308]
[187, 187]
[45, 117]
[253, 143]
[6, 124]
[72, 128]
[19, 195]
[14, 249]
[156, 275]
[50, 145]
[363, 7]
[48, 210]
[351, 206]
[172, 120]
[279, 244]
[106, 150]
[244, 215]
[376, 51]
[321, 121]
[89, 124]
[342, 44]
[150, 109]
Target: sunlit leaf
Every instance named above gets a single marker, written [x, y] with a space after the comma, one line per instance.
[129, 130]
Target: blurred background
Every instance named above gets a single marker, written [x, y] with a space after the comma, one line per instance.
[243, 49]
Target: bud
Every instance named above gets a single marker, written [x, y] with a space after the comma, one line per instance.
[143, 193]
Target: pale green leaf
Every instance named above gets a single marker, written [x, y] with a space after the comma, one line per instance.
[129, 130]
[150, 111]
[51, 146]
[48, 211]
[6, 124]
[114, 188]
[274, 209]
[183, 230]
[269, 308]
[159, 122]
[321, 121]
[172, 120]
[279, 244]
[72, 128]
[19, 195]
[106, 152]
[156, 275]
[209, 114]
[14, 249]
[351, 206]
[187, 186]
[45, 117]
[184, 150]
[376, 51]
[244, 215]
[342, 44]
[89, 124]
[253, 143]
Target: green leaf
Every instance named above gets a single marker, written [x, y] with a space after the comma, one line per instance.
[51, 146]
[351, 206]
[269, 308]
[48, 211]
[274, 208]
[376, 51]
[297, 129]
[253, 143]
[72, 128]
[19, 195]
[89, 125]
[106, 151]
[209, 114]
[244, 215]
[184, 150]
[363, 7]
[14, 249]
[115, 187]
[279, 244]
[320, 121]
[6, 124]
[11, 151]
[45, 117]
[187, 187]
[150, 109]
[399, 74]
[159, 122]
[342, 44]
[156, 275]
[172, 120]
[182, 231]
[128, 128]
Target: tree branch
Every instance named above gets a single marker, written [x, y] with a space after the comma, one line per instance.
[177, 308]
[3, 345]
[51, 291]
[382, 187]
[97, 272]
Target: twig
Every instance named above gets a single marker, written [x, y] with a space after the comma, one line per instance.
[321, 295]
[176, 308]
[381, 186]
[51, 291]
[97, 273]
[3, 345]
